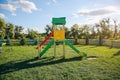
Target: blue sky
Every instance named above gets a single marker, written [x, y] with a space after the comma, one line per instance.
[36, 14]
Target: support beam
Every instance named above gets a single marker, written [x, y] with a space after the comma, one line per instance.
[54, 49]
[54, 27]
[63, 27]
[39, 51]
[63, 49]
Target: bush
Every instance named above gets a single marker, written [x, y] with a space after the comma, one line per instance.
[8, 42]
[35, 42]
[23, 41]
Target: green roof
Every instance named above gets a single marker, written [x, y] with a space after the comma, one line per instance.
[59, 21]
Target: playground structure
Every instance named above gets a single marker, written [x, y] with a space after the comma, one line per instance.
[58, 36]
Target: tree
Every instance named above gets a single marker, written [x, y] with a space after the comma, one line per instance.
[86, 34]
[106, 28]
[18, 31]
[75, 32]
[98, 26]
[32, 34]
[48, 29]
[103, 29]
[10, 30]
[81, 32]
[93, 34]
[2, 28]
[119, 34]
[115, 29]
[100, 29]
[67, 32]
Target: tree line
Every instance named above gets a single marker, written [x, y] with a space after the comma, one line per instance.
[101, 30]
[9, 30]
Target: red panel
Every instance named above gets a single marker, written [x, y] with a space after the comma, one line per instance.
[48, 37]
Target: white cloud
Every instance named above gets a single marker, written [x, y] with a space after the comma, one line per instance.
[92, 20]
[2, 16]
[51, 2]
[92, 16]
[54, 1]
[75, 15]
[8, 7]
[25, 5]
[98, 12]
[13, 14]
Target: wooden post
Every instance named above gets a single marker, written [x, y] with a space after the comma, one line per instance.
[54, 49]
[63, 45]
[39, 51]
[54, 27]
[63, 27]
[63, 49]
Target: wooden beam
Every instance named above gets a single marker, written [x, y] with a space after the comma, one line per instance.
[63, 49]
[39, 51]
[54, 49]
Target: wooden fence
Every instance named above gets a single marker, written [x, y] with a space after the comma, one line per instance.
[111, 43]
[115, 44]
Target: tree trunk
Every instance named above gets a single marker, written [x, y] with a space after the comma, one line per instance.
[100, 40]
[75, 41]
[86, 40]
[75, 37]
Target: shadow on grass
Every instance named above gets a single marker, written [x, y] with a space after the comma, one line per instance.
[12, 66]
[116, 54]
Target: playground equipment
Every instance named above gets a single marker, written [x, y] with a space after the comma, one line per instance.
[58, 35]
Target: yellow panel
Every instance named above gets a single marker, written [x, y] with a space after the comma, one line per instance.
[59, 34]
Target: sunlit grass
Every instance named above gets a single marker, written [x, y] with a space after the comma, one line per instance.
[19, 63]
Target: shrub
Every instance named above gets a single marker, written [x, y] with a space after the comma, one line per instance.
[8, 42]
[23, 41]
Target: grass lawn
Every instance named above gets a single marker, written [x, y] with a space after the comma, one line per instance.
[20, 64]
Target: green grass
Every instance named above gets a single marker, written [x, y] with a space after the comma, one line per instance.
[19, 63]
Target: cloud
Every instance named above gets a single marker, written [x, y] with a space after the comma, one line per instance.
[92, 16]
[98, 12]
[51, 2]
[8, 7]
[25, 5]
[54, 1]
[92, 20]
[2, 16]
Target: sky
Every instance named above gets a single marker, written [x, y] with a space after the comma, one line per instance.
[36, 14]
